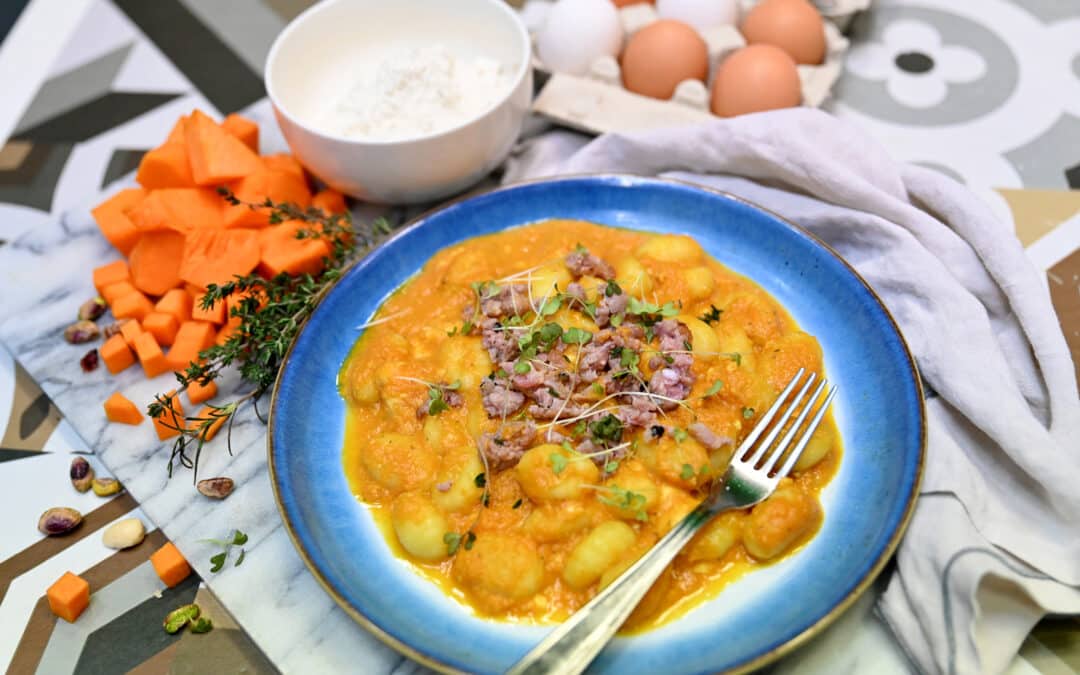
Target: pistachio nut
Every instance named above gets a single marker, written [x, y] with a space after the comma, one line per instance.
[81, 473]
[179, 617]
[216, 488]
[103, 487]
[59, 520]
[124, 533]
[202, 625]
[91, 310]
[113, 328]
[80, 332]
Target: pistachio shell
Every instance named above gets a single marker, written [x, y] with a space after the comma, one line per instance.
[81, 331]
[59, 520]
[216, 488]
[124, 533]
[92, 309]
[81, 473]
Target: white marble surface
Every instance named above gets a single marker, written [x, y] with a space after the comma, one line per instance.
[44, 276]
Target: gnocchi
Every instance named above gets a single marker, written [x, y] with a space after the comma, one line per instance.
[526, 454]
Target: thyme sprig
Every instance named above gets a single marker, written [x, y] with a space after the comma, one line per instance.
[267, 314]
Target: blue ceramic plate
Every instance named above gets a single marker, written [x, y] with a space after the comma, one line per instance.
[879, 412]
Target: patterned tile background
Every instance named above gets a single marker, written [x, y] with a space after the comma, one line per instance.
[987, 92]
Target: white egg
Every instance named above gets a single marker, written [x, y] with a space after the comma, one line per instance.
[700, 14]
[576, 33]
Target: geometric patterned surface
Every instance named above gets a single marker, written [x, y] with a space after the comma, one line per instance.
[920, 69]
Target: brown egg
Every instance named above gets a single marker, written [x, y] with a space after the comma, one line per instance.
[754, 79]
[626, 3]
[793, 25]
[662, 55]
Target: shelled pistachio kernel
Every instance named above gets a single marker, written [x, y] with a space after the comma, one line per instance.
[103, 487]
[124, 533]
[81, 474]
[179, 617]
[59, 520]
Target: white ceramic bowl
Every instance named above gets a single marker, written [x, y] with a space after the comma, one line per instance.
[308, 70]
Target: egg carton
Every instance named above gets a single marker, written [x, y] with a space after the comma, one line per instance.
[597, 102]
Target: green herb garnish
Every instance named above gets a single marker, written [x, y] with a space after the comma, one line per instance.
[218, 561]
[712, 316]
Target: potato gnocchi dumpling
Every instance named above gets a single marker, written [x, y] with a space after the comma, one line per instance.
[535, 409]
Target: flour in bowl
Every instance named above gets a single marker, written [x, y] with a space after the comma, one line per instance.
[417, 92]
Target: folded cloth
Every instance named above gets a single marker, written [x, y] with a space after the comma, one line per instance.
[992, 546]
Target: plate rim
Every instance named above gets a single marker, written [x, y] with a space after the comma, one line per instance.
[619, 180]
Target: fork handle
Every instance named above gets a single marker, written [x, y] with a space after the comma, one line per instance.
[572, 646]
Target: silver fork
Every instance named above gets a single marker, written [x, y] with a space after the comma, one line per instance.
[572, 646]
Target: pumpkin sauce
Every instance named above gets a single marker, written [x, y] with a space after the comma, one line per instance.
[535, 408]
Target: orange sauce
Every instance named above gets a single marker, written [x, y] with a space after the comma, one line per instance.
[517, 565]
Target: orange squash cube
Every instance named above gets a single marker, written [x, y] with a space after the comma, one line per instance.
[110, 274]
[132, 306]
[176, 302]
[171, 417]
[192, 338]
[131, 330]
[114, 292]
[170, 565]
[116, 354]
[118, 408]
[150, 355]
[197, 393]
[69, 596]
[162, 326]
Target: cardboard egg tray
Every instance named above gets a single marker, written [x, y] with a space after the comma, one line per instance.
[596, 102]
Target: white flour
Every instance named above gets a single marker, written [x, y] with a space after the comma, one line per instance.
[416, 92]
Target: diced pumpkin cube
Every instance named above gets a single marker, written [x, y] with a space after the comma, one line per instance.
[171, 420]
[116, 354]
[176, 302]
[285, 162]
[230, 327]
[150, 355]
[274, 184]
[244, 129]
[131, 330]
[118, 408]
[110, 274]
[330, 201]
[132, 306]
[114, 223]
[114, 292]
[206, 413]
[215, 315]
[155, 262]
[199, 393]
[217, 256]
[162, 326]
[69, 596]
[216, 155]
[165, 166]
[170, 566]
[192, 338]
[179, 209]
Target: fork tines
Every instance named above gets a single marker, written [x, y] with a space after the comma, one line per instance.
[751, 453]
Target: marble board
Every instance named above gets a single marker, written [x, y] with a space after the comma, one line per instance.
[44, 276]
